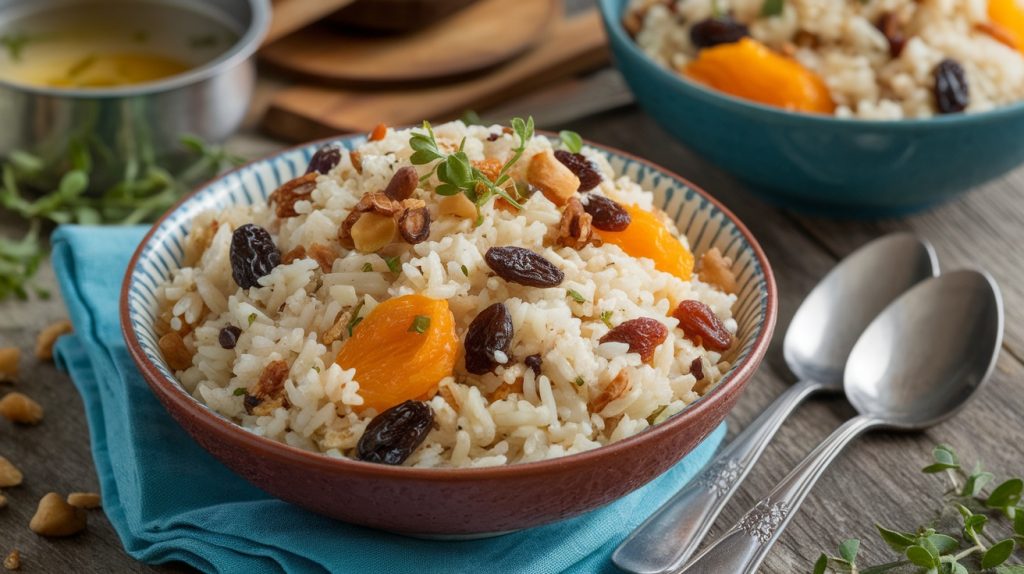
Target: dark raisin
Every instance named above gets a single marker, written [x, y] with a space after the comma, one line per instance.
[488, 334]
[607, 215]
[534, 362]
[581, 166]
[697, 368]
[889, 25]
[324, 159]
[952, 93]
[715, 31]
[414, 225]
[493, 137]
[396, 433]
[253, 255]
[403, 183]
[643, 336]
[228, 337]
[522, 266]
[701, 326]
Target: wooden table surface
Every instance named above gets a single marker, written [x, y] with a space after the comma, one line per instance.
[878, 479]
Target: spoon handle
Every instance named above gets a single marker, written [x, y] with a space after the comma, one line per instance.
[742, 548]
[666, 540]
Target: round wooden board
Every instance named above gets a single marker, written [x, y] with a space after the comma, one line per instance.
[481, 36]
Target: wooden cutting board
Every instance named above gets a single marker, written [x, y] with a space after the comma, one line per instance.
[480, 36]
[291, 15]
[303, 113]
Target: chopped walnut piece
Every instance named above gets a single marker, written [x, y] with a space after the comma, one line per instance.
[323, 255]
[9, 358]
[294, 255]
[357, 161]
[617, 388]
[86, 500]
[9, 474]
[556, 181]
[458, 205]
[285, 197]
[490, 167]
[175, 352]
[403, 183]
[574, 230]
[371, 232]
[268, 393]
[48, 337]
[13, 560]
[374, 202]
[506, 389]
[335, 332]
[633, 22]
[716, 269]
[57, 518]
[19, 408]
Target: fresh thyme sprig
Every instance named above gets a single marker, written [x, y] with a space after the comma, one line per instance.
[968, 547]
[457, 173]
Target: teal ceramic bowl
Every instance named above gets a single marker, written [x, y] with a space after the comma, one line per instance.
[838, 167]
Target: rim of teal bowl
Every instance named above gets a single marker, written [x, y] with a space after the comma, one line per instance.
[225, 431]
[611, 13]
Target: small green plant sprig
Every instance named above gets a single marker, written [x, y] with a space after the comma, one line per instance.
[457, 174]
[965, 546]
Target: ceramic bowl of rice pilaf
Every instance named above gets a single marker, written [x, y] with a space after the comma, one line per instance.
[449, 329]
[846, 107]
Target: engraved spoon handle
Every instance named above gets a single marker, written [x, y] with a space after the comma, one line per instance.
[745, 545]
[666, 540]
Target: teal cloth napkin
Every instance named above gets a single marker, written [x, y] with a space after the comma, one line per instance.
[171, 501]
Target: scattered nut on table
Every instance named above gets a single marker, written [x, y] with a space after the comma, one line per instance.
[86, 500]
[48, 336]
[19, 408]
[57, 518]
[13, 560]
[9, 357]
[9, 474]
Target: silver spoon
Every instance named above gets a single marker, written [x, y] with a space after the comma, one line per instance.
[915, 366]
[817, 343]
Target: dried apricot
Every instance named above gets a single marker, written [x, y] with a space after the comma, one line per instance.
[394, 362]
[1008, 15]
[646, 236]
[748, 69]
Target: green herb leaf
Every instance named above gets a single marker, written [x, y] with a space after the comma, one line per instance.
[471, 118]
[367, 267]
[821, 564]
[465, 270]
[1018, 521]
[975, 483]
[1012, 569]
[579, 382]
[606, 318]
[848, 550]
[1006, 494]
[420, 324]
[772, 8]
[944, 544]
[898, 541]
[571, 140]
[653, 417]
[239, 392]
[394, 263]
[252, 318]
[997, 554]
[921, 557]
[576, 296]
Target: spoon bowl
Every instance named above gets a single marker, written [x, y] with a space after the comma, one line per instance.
[839, 308]
[894, 376]
[917, 364]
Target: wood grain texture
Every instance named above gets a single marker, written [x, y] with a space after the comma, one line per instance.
[302, 113]
[876, 480]
[480, 36]
[292, 15]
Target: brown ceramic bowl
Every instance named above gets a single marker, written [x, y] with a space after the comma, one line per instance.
[452, 501]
